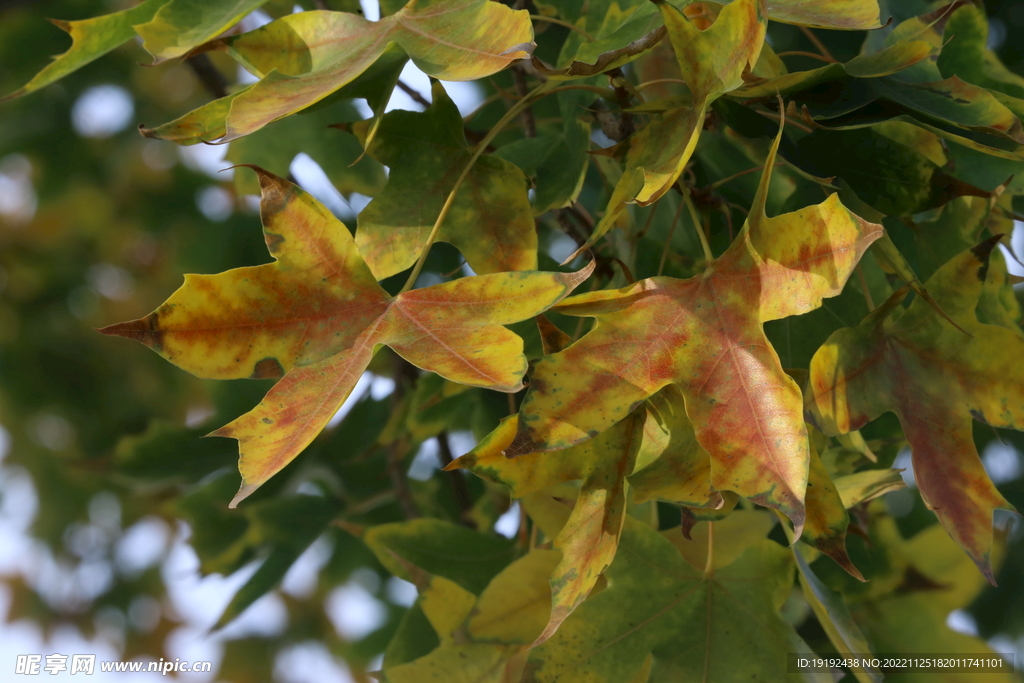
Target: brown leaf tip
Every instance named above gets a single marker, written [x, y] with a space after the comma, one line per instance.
[144, 330]
[835, 547]
[983, 252]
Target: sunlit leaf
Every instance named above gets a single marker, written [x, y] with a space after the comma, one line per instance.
[302, 58]
[91, 39]
[705, 335]
[712, 62]
[590, 536]
[889, 363]
[180, 25]
[317, 313]
[834, 617]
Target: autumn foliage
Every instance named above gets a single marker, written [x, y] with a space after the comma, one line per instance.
[766, 256]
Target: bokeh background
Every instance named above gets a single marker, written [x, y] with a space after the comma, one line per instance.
[102, 474]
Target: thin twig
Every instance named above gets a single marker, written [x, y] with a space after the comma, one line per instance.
[414, 94]
[211, 78]
[695, 217]
[789, 120]
[460, 491]
[817, 43]
[801, 53]
[668, 240]
[658, 81]
[539, 91]
[709, 565]
[399, 484]
[718, 183]
[522, 90]
[405, 375]
[864, 286]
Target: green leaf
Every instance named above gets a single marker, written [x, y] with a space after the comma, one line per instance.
[469, 558]
[889, 363]
[882, 166]
[180, 25]
[589, 538]
[91, 39]
[302, 58]
[861, 487]
[723, 626]
[288, 526]
[490, 221]
[834, 617]
[274, 147]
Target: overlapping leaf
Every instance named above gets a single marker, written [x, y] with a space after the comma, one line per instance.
[911, 616]
[705, 335]
[590, 536]
[891, 363]
[625, 31]
[302, 58]
[957, 107]
[896, 57]
[490, 220]
[662, 612]
[168, 28]
[712, 62]
[91, 39]
[827, 518]
[315, 316]
[834, 617]
[180, 25]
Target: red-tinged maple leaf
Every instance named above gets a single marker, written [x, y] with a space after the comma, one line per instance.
[935, 377]
[705, 335]
[317, 314]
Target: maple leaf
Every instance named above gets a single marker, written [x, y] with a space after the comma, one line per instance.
[302, 58]
[934, 578]
[591, 534]
[316, 315]
[490, 220]
[832, 14]
[169, 28]
[661, 611]
[705, 335]
[888, 364]
[827, 518]
[712, 62]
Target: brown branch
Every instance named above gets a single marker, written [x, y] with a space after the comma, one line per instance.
[522, 90]
[460, 490]
[208, 74]
[414, 94]
[405, 375]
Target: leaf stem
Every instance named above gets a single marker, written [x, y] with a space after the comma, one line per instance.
[658, 81]
[802, 53]
[668, 240]
[709, 565]
[562, 22]
[695, 217]
[816, 41]
[513, 111]
[788, 121]
[718, 183]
